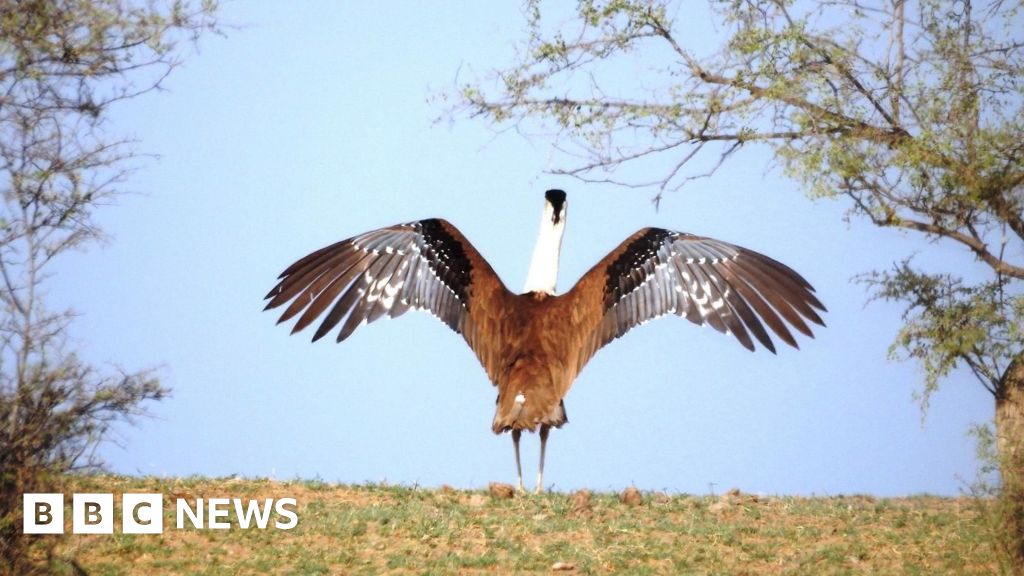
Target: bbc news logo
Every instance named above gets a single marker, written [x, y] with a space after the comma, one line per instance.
[144, 513]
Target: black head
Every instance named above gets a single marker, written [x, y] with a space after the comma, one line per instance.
[557, 199]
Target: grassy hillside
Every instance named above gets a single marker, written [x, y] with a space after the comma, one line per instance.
[385, 529]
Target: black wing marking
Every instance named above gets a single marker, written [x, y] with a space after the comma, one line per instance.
[424, 265]
[734, 290]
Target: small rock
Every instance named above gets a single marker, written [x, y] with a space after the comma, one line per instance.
[563, 566]
[631, 497]
[717, 507]
[477, 501]
[733, 492]
[581, 501]
[500, 490]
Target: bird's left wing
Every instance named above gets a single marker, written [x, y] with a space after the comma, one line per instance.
[423, 265]
[656, 272]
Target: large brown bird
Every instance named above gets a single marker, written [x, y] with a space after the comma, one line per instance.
[534, 344]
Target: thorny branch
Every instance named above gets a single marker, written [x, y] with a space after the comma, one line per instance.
[910, 110]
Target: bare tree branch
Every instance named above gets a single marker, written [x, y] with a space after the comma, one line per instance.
[63, 65]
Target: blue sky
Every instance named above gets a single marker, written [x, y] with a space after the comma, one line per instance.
[313, 122]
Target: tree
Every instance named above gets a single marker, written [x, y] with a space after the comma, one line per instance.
[63, 65]
[911, 112]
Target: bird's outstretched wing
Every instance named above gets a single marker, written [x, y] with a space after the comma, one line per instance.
[424, 265]
[656, 272]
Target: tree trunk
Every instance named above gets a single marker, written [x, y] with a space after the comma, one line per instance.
[1010, 443]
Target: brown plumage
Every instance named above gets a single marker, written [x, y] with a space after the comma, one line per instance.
[533, 345]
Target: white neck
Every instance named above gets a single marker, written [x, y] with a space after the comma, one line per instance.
[543, 272]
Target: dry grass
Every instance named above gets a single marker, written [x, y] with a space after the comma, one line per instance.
[378, 529]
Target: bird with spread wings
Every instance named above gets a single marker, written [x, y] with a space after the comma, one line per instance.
[534, 344]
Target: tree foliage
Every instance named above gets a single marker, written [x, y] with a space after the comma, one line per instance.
[63, 65]
[912, 112]
[950, 321]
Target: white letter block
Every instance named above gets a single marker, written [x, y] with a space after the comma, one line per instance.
[92, 514]
[142, 514]
[43, 513]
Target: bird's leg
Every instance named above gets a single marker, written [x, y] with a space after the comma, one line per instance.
[519, 467]
[544, 429]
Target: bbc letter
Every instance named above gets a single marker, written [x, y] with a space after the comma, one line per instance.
[42, 514]
[281, 507]
[92, 514]
[142, 513]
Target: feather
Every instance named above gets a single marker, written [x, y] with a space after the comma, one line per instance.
[734, 290]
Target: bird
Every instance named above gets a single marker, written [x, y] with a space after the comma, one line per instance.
[533, 345]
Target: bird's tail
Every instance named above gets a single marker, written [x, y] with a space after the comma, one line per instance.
[520, 412]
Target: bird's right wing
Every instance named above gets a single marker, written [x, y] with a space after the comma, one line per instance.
[423, 265]
[656, 272]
